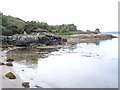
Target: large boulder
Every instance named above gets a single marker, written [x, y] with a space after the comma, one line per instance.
[26, 40]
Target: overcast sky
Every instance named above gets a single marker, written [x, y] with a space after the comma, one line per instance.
[86, 14]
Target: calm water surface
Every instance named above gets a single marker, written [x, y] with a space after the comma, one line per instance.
[86, 65]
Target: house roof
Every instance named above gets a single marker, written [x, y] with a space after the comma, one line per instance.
[39, 30]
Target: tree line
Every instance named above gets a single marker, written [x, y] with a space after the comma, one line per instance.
[11, 25]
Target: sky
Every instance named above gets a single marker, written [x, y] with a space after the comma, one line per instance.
[85, 14]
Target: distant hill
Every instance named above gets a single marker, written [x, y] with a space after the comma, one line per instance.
[12, 25]
[13, 20]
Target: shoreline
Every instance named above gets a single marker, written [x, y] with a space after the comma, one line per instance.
[17, 83]
[45, 84]
[5, 82]
[86, 38]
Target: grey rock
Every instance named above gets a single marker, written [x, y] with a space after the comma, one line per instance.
[27, 40]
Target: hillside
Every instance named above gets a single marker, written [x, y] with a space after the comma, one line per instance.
[12, 25]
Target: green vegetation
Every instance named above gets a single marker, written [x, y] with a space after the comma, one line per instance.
[97, 30]
[72, 43]
[11, 25]
[68, 33]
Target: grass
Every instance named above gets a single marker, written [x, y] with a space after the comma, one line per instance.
[67, 33]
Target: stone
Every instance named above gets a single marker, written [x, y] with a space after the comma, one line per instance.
[10, 75]
[27, 40]
[9, 64]
[38, 86]
[26, 84]
[9, 60]
[1, 63]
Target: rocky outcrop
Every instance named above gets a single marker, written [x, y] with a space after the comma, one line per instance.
[90, 36]
[27, 40]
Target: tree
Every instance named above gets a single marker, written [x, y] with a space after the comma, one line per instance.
[97, 30]
[88, 31]
[13, 29]
[5, 21]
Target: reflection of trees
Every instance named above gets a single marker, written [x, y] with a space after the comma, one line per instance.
[29, 57]
[96, 42]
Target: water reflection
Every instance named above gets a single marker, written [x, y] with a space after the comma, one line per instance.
[29, 57]
[82, 65]
[96, 43]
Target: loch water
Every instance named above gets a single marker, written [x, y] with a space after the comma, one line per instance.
[84, 65]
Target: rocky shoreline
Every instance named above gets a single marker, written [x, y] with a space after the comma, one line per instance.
[81, 38]
[9, 77]
[28, 40]
[42, 42]
[47, 40]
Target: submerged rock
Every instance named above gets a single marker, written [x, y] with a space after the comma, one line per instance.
[86, 56]
[38, 86]
[10, 75]
[26, 84]
[9, 64]
[9, 60]
[1, 63]
[93, 36]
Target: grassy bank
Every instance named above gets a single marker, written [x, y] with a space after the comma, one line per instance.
[68, 33]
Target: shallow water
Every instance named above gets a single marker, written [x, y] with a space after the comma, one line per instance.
[85, 65]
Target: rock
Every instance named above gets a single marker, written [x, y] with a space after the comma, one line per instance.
[26, 84]
[38, 86]
[9, 64]
[27, 40]
[90, 36]
[72, 43]
[9, 60]
[10, 75]
[1, 63]
[86, 55]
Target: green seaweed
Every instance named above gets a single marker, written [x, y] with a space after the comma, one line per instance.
[9, 64]
[26, 84]
[9, 60]
[10, 75]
